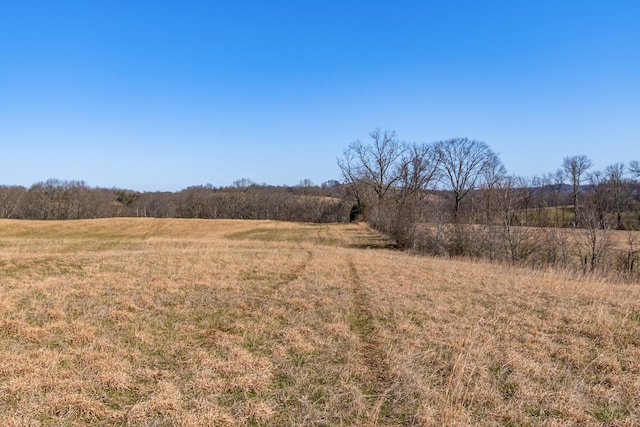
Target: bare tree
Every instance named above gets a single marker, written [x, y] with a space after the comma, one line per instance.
[376, 163]
[620, 191]
[630, 255]
[574, 168]
[393, 179]
[555, 181]
[492, 176]
[595, 240]
[10, 200]
[512, 194]
[352, 176]
[538, 186]
[599, 195]
[307, 186]
[418, 169]
[243, 183]
[634, 168]
[373, 166]
[463, 162]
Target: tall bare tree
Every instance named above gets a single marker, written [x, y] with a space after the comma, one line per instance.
[619, 189]
[599, 196]
[595, 240]
[634, 168]
[373, 166]
[376, 164]
[418, 169]
[353, 178]
[575, 168]
[541, 190]
[512, 194]
[463, 162]
[555, 182]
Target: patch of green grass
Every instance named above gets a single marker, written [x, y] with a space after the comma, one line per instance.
[275, 279]
[501, 375]
[282, 380]
[306, 233]
[117, 399]
[534, 410]
[40, 267]
[345, 235]
[298, 359]
[605, 412]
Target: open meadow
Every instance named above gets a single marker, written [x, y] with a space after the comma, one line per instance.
[160, 322]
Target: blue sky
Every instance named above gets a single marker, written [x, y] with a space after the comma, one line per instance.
[161, 95]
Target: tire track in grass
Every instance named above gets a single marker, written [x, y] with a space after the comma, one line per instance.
[300, 268]
[379, 380]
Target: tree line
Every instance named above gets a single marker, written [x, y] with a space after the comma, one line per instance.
[455, 197]
[56, 199]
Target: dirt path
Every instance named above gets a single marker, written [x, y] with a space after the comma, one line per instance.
[378, 382]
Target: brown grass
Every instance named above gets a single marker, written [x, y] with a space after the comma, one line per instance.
[189, 322]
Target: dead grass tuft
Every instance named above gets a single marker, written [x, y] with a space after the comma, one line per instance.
[163, 406]
[75, 406]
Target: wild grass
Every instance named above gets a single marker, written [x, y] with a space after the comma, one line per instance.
[195, 322]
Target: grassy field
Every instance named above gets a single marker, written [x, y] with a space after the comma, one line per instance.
[192, 322]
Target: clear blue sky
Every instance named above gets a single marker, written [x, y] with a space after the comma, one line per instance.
[161, 95]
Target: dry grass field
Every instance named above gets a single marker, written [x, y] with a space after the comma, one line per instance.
[149, 322]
